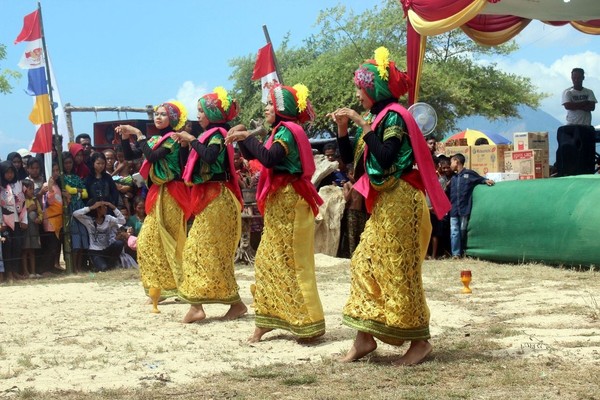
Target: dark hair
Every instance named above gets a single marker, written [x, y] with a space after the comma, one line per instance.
[580, 70]
[459, 157]
[96, 156]
[82, 136]
[480, 141]
[33, 160]
[329, 146]
[442, 159]
[28, 183]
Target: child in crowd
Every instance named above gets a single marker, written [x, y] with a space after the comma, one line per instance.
[14, 219]
[76, 193]
[125, 186]
[53, 221]
[356, 213]
[461, 197]
[139, 214]
[31, 238]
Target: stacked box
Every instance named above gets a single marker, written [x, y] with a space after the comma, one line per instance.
[488, 158]
[535, 141]
[528, 163]
[464, 150]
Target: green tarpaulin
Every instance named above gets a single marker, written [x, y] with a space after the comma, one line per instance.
[554, 221]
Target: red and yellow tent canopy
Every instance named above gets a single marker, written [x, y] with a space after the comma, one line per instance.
[488, 22]
[472, 135]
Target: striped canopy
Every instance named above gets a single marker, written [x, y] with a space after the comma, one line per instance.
[472, 135]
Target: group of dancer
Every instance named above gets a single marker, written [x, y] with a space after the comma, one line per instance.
[195, 176]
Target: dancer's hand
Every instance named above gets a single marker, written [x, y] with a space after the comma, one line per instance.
[182, 137]
[127, 130]
[236, 136]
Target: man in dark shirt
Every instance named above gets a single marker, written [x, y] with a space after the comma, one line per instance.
[461, 194]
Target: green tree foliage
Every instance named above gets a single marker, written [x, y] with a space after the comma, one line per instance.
[6, 74]
[453, 81]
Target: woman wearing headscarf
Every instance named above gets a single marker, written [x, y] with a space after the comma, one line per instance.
[17, 161]
[161, 239]
[286, 295]
[387, 300]
[216, 202]
[79, 167]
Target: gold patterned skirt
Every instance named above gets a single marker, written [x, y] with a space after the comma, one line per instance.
[209, 252]
[160, 245]
[387, 298]
[286, 295]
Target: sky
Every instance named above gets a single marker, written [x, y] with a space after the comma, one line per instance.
[132, 53]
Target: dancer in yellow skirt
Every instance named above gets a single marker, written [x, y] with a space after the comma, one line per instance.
[216, 203]
[286, 295]
[161, 239]
[387, 300]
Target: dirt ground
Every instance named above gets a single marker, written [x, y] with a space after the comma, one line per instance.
[95, 332]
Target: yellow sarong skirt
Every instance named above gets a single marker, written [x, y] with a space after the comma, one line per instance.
[209, 251]
[160, 244]
[286, 295]
[387, 298]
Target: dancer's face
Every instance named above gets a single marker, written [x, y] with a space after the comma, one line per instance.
[363, 99]
[270, 113]
[161, 118]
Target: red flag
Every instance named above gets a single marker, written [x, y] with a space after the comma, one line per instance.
[43, 139]
[31, 28]
[265, 62]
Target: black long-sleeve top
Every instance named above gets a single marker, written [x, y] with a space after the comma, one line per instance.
[252, 149]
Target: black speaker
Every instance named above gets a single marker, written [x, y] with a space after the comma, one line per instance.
[576, 150]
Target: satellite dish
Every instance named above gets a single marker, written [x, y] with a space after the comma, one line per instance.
[425, 116]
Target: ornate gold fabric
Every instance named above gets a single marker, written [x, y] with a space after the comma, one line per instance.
[386, 294]
[209, 252]
[286, 295]
[159, 254]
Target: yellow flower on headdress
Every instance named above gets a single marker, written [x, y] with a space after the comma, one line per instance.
[382, 58]
[302, 95]
[222, 95]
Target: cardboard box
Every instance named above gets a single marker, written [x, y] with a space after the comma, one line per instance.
[488, 158]
[528, 163]
[464, 150]
[502, 176]
[531, 141]
[457, 142]
[535, 141]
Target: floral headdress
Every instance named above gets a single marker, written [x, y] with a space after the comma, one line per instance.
[218, 106]
[291, 103]
[380, 78]
[176, 112]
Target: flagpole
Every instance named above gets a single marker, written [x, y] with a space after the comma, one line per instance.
[66, 225]
[268, 38]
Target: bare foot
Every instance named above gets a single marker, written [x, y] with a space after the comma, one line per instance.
[195, 314]
[258, 334]
[235, 311]
[363, 345]
[416, 353]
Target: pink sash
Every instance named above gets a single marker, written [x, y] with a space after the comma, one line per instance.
[146, 165]
[194, 157]
[439, 201]
[303, 186]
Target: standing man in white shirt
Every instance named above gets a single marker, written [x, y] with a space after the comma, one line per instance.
[579, 101]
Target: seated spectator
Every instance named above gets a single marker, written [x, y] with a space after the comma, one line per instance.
[105, 248]
[139, 214]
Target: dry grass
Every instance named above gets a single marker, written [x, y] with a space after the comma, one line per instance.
[506, 350]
